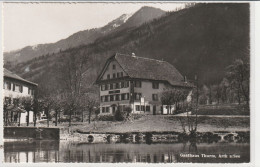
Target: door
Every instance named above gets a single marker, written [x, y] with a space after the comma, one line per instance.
[113, 109]
[154, 110]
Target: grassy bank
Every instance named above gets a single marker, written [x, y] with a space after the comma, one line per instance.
[223, 109]
[160, 123]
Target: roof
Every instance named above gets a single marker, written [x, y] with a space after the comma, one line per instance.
[151, 69]
[12, 75]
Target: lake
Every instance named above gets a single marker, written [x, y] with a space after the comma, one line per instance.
[63, 151]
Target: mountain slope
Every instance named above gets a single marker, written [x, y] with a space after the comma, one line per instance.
[202, 40]
[85, 37]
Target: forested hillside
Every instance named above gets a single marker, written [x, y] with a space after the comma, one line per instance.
[202, 40]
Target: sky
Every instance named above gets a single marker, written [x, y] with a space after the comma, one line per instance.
[38, 23]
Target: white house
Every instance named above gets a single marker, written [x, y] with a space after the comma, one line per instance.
[137, 82]
[14, 88]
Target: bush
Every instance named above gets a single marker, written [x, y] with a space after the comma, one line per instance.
[119, 116]
[106, 118]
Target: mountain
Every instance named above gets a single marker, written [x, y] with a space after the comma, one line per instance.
[145, 14]
[201, 40]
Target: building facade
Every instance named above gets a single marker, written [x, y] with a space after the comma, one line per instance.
[14, 88]
[137, 82]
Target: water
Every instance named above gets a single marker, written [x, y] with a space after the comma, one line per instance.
[60, 151]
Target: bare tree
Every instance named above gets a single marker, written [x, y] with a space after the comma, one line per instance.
[46, 103]
[89, 103]
[57, 105]
[71, 74]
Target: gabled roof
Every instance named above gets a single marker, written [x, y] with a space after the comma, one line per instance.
[12, 75]
[146, 68]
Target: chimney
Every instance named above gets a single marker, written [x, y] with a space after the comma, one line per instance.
[185, 79]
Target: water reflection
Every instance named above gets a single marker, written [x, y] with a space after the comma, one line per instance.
[55, 151]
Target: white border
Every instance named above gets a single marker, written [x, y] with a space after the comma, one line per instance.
[254, 93]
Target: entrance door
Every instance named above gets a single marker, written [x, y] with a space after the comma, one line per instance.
[113, 109]
[154, 110]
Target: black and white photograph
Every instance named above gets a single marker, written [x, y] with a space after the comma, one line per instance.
[124, 82]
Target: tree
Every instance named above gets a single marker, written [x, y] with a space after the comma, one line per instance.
[46, 104]
[238, 75]
[71, 73]
[35, 107]
[89, 103]
[174, 96]
[216, 92]
[57, 106]
[27, 104]
[190, 121]
[224, 88]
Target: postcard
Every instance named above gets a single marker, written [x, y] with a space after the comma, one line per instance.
[127, 82]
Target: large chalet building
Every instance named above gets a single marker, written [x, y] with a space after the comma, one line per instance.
[137, 82]
[15, 87]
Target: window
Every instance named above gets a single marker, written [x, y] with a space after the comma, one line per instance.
[114, 66]
[138, 84]
[142, 108]
[147, 108]
[103, 87]
[122, 96]
[118, 75]
[108, 76]
[103, 109]
[125, 96]
[111, 97]
[107, 109]
[102, 98]
[138, 96]
[122, 84]
[21, 88]
[155, 85]
[29, 91]
[137, 108]
[114, 85]
[121, 74]
[155, 97]
[8, 85]
[106, 98]
[111, 86]
[106, 87]
[117, 86]
[18, 88]
[117, 97]
[114, 75]
[126, 84]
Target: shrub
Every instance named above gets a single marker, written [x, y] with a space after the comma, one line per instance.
[106, 118]
[119, 116]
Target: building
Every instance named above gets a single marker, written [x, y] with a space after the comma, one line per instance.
[137, 82]
[14, 88]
